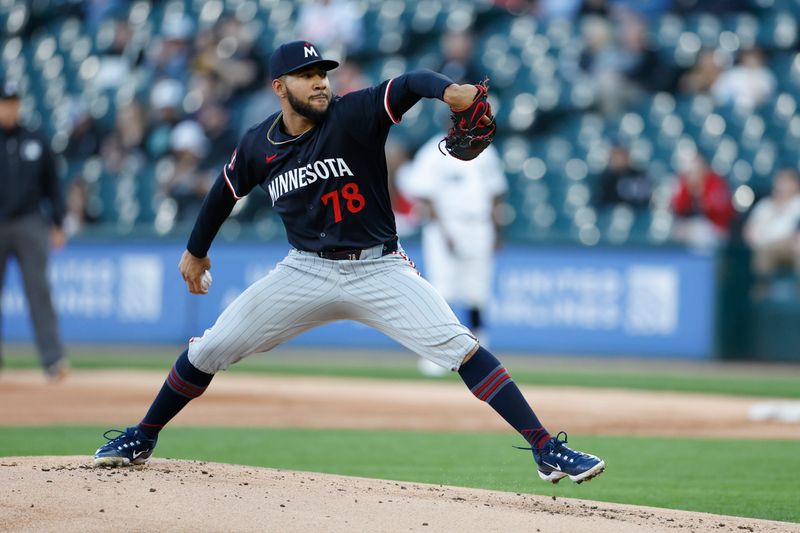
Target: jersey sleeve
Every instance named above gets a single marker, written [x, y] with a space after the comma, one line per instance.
[404, 91]
[240, 174]
[216, 207]
[369, 113]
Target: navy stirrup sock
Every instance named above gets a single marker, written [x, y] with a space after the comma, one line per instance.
[184, 383]
[490, 382]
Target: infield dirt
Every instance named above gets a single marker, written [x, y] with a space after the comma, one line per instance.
[323, 402]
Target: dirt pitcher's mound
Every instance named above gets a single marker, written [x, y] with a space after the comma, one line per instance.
[68, 494]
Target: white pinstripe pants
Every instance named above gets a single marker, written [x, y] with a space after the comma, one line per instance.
[305, 291]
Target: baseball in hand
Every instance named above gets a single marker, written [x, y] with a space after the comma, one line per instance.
[205, 281]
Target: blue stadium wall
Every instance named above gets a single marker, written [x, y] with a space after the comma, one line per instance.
[647, 302]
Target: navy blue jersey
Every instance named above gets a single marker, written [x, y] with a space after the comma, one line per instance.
[329, 185]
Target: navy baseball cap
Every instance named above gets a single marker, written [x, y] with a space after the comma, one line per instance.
[296, 55]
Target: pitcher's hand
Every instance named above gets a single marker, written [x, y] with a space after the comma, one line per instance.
[192, 269]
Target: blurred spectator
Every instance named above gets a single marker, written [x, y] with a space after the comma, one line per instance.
[78, 214]
[112, 154]
[332, 24]
[229, 52]
[216, 122]
[85, 137]
[771, 229]
[640, 57]
[205, 56]
[165, 111]
[747, 85]
[131, 125]
[170, 55]
[205, 88]
[458, 50]
[702, 205]
[262, 103]
[126, 141]
[165, 100]
[703, 75]
[349, 78]
[621, 183]
[188, 183]
[614, 66]
[119, 56]
[242, 66]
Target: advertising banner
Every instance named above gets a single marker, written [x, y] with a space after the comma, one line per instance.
[615, 301]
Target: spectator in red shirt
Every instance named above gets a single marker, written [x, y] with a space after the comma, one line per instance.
[702, 206]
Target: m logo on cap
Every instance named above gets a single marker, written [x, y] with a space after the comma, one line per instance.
[288, 58]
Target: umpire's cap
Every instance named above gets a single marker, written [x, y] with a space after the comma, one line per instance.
[295, 55]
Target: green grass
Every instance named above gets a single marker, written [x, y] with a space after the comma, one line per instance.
[709, 475]
[643, 375]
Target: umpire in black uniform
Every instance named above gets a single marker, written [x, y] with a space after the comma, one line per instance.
[29, 183]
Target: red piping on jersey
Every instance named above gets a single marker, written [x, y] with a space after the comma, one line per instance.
[408, 260]
[225, 175]
[386, 103]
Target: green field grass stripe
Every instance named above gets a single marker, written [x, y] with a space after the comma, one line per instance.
[709, 475]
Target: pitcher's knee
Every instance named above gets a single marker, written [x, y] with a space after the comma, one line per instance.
[452, 353]
[206, 356]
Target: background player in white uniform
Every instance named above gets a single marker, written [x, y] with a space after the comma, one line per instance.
[460, 234]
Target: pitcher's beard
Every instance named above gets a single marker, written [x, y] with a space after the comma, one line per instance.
[304, 109]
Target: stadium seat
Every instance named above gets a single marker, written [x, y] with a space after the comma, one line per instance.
[553, 146]
[778, 30]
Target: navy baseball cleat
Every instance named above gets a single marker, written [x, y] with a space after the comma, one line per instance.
[556, 461]
[130, 447]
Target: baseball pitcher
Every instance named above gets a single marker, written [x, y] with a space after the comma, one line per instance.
[321, 160]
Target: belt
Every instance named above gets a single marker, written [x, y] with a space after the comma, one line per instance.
[355, 254]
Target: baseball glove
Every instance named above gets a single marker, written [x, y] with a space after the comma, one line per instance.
[469, 135]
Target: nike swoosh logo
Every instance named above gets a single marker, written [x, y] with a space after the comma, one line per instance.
[271, 157]
[554, 467]
[137, 454]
